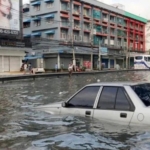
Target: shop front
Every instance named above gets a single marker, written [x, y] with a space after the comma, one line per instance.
[10, 61]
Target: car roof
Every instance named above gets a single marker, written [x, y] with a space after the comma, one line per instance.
[117, 83]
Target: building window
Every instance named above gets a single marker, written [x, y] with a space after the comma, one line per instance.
[86, 37]
[26, 25]
[76, 9]
[50, 36]
[37, 23]
[64, 36]
[86, 26]
[112, 18]
[37, 8]
[65, 6]
[49, 5]
[86, 12]
[49, 20]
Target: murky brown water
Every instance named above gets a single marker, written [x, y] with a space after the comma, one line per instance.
[21, 128]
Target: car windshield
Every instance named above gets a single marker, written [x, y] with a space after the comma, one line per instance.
[143, 92]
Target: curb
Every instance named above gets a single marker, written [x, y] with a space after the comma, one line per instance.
[21, 77]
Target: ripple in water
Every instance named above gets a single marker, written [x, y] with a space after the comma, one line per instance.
[22, 128]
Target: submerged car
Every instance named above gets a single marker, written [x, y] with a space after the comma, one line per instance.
[127, 103]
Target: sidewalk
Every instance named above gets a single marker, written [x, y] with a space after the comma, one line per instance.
[10, 73]
[5, 74]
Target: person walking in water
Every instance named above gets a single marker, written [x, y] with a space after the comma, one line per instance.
[70, 67]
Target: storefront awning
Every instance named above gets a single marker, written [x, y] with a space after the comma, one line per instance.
[49, 16]
[36, 34]
[35, 3]
[27, 20]
[33, 57]
[27, 35]
[46, 1]
[50, 32]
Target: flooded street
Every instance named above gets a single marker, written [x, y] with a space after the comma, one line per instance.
[23, 128]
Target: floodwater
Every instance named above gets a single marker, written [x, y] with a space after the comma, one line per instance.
[23, 128]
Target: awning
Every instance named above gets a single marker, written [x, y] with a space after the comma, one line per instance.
[36, 18]
[32, 57]
[49, 16]
[46, 1]
[35, 3]
[27, 20]
[36, 34]
[50, 32]
[27, 35]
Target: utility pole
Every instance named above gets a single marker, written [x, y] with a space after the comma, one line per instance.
[91, 37]
[72, 43]
[99, 57]
[127, 52]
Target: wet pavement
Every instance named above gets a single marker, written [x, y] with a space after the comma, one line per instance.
[23, 128]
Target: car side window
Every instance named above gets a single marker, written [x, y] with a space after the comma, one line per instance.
[122, 102]
[107, 98]
[85, 98]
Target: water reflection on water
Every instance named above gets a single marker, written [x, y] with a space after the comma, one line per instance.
[22, 128]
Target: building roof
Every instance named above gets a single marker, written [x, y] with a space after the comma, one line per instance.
[133, 16]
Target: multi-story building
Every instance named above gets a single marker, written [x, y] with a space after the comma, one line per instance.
[12, 46]
[84, 21]
[147, 37]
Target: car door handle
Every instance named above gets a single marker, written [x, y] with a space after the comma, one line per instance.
[123, 115]
[88, 113]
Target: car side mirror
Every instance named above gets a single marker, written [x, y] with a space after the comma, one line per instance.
[64, 104]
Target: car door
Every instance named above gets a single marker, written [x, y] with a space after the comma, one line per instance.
[81, 104]
[114, 105]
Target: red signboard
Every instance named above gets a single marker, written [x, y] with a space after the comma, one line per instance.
[87, 64]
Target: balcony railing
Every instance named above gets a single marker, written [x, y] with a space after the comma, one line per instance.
[65, 8]
[86, 39]
[77, 12]
[64, 36]
[112, 33]
[64, 24]
[104, 31]
[86, 28]
[112, 21]
[87, 14]
[76, 26]
[105, 19]
[26, 26]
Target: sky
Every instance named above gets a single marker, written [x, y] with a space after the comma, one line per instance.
[137, 7]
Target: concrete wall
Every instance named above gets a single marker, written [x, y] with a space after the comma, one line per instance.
[10, 52]
[44, 9]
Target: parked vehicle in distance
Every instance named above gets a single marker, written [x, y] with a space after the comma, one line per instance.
[142, 62]
[38, 70]
[122, 103]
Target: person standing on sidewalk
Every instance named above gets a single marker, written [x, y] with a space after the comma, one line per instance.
[70, 67]
[25, 68]
[30, 68]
